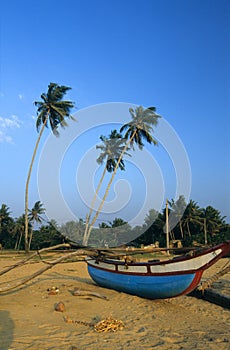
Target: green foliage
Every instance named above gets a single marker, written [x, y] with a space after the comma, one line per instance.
[118, 232]
[47, 236]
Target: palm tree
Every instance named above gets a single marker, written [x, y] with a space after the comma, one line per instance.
[52, 110]
[19, 229]
[111, 150]
[191, 216]
[35, 216]
[6, 223]
[138, 129]
[212, 222]
[4, 214]
[178, 207]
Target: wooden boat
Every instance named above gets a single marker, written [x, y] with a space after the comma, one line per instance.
[156, 279]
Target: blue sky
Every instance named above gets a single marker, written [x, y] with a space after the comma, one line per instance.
[172, 54]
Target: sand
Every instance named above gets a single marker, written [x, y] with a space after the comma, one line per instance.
[28, 319]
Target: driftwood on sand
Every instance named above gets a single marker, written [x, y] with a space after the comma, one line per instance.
[48, 264]
[80, 292]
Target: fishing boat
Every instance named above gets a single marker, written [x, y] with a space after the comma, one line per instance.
[155, 279]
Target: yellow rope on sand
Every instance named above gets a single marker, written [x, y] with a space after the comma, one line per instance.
[107, 325]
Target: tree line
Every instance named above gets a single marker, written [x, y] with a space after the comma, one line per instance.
[195, 226]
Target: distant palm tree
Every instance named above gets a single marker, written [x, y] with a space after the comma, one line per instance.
[111, 150]
[212, 222]
[19, 229]
[52, 110]
[4, 214]
[138, 129]
[191, 216]
[178, 207]
[6, 223]
[35, 216]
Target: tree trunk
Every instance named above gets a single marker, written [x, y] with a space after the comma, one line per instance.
[108, 188]
[189, 233]
[181, 229]
[19, 241]
[27, 184]
[31, 236]
[16, 244]
[92, 206]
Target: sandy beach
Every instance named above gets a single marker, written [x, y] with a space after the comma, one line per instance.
[28, 319]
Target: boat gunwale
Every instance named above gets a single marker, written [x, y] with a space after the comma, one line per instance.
[223, 246]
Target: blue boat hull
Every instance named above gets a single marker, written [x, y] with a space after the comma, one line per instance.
[151, 287]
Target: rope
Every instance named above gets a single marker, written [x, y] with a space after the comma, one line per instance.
[207, 284]
[107, 325]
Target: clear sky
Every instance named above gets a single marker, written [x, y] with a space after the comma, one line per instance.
[171, 54]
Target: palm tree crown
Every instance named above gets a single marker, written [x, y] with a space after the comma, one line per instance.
[36, 212]
[111, 150]
[53, 107]
[141, 126]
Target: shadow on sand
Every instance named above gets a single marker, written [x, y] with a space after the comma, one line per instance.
[6, 330]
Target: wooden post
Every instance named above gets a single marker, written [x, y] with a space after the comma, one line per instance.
[205, 232]
[167, 226]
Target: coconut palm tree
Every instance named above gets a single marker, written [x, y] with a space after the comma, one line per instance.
[111, 149]
[51, 111]
[212, 222]
[35, 216]
[4, 214]
[19, 229]
[140, 128]
[178, 207]
[191, 216]
[6, 224]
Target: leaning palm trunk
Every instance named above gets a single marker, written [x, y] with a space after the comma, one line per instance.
[27, 184]
[31, 236]
[30, 239]
[92, 206]
[181, 229]
[87, 234]
[189, 233]
[17, 245]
